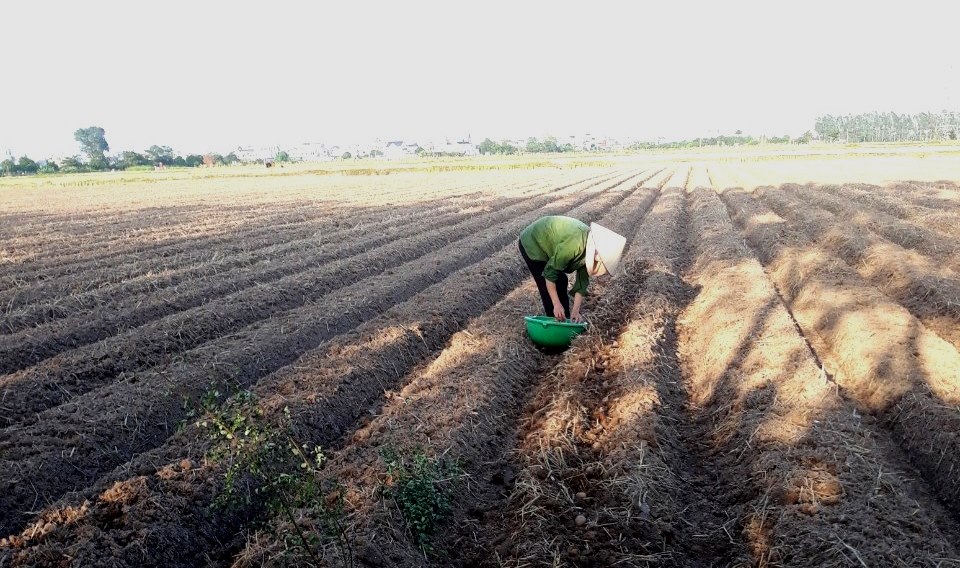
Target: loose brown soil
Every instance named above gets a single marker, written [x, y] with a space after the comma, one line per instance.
[464, 403]
[122, 235]
[774, 427]
[82, 370]
[770, 381]
[941, 248]
[285, 279]
[882, 358]
[341, 391]
[106, 427]
[154, 270]
[930, 292]
[588, 437]
[892, 201]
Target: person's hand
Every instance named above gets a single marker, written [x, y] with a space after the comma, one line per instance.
[559, 313]
[575, 316]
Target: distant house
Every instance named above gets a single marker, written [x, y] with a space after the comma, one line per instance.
[246, 154]
[585, 142]
[393, 150]
[251, 154]
[458, 148]
[310, 152]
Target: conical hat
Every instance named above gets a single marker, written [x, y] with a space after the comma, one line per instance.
[608, 244]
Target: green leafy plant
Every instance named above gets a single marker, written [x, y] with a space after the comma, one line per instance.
[417, 484]
[264, 464]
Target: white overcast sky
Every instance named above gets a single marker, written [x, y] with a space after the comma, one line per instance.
[209, 75]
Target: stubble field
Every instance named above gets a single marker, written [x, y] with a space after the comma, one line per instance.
[295, 369]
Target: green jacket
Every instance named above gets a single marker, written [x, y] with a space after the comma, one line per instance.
[561, 242]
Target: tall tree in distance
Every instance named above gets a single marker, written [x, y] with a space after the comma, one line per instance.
[160, 154]
[93, 143]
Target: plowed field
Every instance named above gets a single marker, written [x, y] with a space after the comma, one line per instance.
[335, 372]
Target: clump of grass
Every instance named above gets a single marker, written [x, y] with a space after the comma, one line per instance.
[418, 484]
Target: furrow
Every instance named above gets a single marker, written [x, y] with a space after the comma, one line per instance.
[592, 487]
[65, 297]
[100, 430]
[20, 350]
[481, 380]
[940, 248]
[222, 223]
[882, 358]
[930, 292]
[83, 293]
[775, 439]
[59, 378]
[890, 200]
[95, 275]
[328, 389]
[937, 195]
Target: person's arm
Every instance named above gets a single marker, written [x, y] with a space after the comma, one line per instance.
[563, 254]
[579, 292]
[575, 309]
[557, 306]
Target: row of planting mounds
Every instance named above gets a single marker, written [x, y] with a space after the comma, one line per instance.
[244, 258]
[59, 378]
[935, 195]
[298, 216]
[153, 268]
[929, 291]
[944, 218]
[64, 239]
[72, 295]
[778, 438]
[304, 196]
[134, 219]
[253, 221]
[69, 446]
[92, 365]
[297, 225]
[593, 488]
[71, 319]
[457, 415]
[326, 392]
[883, 360]
[108, 264]
[939, 247]
[20, 350]
[185, 242]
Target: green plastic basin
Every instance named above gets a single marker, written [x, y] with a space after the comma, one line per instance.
[548, 332]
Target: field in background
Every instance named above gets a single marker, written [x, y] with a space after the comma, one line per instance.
[879, 163]
[773, 380]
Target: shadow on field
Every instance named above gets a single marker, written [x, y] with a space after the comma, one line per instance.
[887, 363]
[175, 354]
[894, 368]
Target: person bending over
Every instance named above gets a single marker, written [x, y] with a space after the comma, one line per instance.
[554, 246]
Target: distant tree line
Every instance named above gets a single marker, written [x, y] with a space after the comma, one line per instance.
[93, 158]
[867, 127]
[488, 146]
[533, 146]
[889, 127]
[738, 139]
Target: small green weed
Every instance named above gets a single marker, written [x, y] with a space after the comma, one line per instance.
[265, 465]
[418, 485]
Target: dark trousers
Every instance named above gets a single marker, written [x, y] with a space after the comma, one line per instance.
[536, 270]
